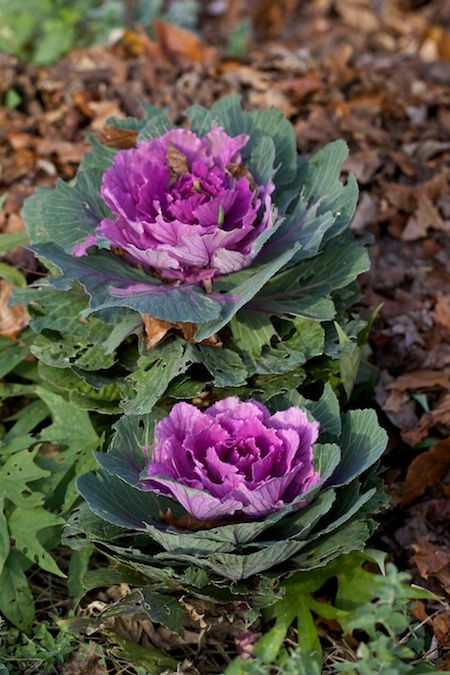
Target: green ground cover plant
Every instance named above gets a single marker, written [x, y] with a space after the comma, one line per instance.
[43, 31]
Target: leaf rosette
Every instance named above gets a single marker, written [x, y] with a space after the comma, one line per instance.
[236, 492]
[204, 224]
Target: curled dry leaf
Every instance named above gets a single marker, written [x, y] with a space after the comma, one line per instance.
[123, 139]
[156, 329]
[13, 319]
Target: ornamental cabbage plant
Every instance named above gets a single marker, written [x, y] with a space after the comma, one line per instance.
[196, 499]
[206, 256]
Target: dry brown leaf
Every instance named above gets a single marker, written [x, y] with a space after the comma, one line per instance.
[432, 560]
[183, 45]
[358, 14]
[441, 413]
[441, 312]
[13, 318]
[426, 470]
[436, 44]
[177, 161]
[156, 329]
[419, 380]
[103, 110]
[270, 17]
[425, 216]
[439, 623]
[114, 137]
[85, 661]
[188, 522]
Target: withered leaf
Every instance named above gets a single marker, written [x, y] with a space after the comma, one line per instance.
[421, 379]
[426, 470]
[177, 161]
[13, 318]
[156, 329]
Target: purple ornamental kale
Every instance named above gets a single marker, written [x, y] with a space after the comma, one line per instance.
[234, 459]
[184, 206]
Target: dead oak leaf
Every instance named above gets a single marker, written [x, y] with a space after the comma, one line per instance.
[182, 45]
[426, 470]
[13, 318]
[425, 216]
[419, 380]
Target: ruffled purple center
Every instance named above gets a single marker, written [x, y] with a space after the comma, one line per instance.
[185, 206]
[234, 459]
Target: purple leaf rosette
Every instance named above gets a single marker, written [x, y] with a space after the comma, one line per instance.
[184, 206]
[235, 459]
[237, 488]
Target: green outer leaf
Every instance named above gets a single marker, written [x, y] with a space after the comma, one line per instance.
[309, 338]
[117, 502]
[241, 287]
[351, 537]
[261, 160]
[327, 456]
[296, 289]
[251, 331]
[100, 156]
[271, 123]
[363, 442]
[320, 177]
[156, 126]
[325, 410]
[348, 361]
[16, 598]
[126, 456]
[104, 275]
[225, 365]
[153, 374]
[71, 212]
[78, 567]
[237, 567]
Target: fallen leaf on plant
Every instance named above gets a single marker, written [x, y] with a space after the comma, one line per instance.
[156, 329]
[13, 319]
